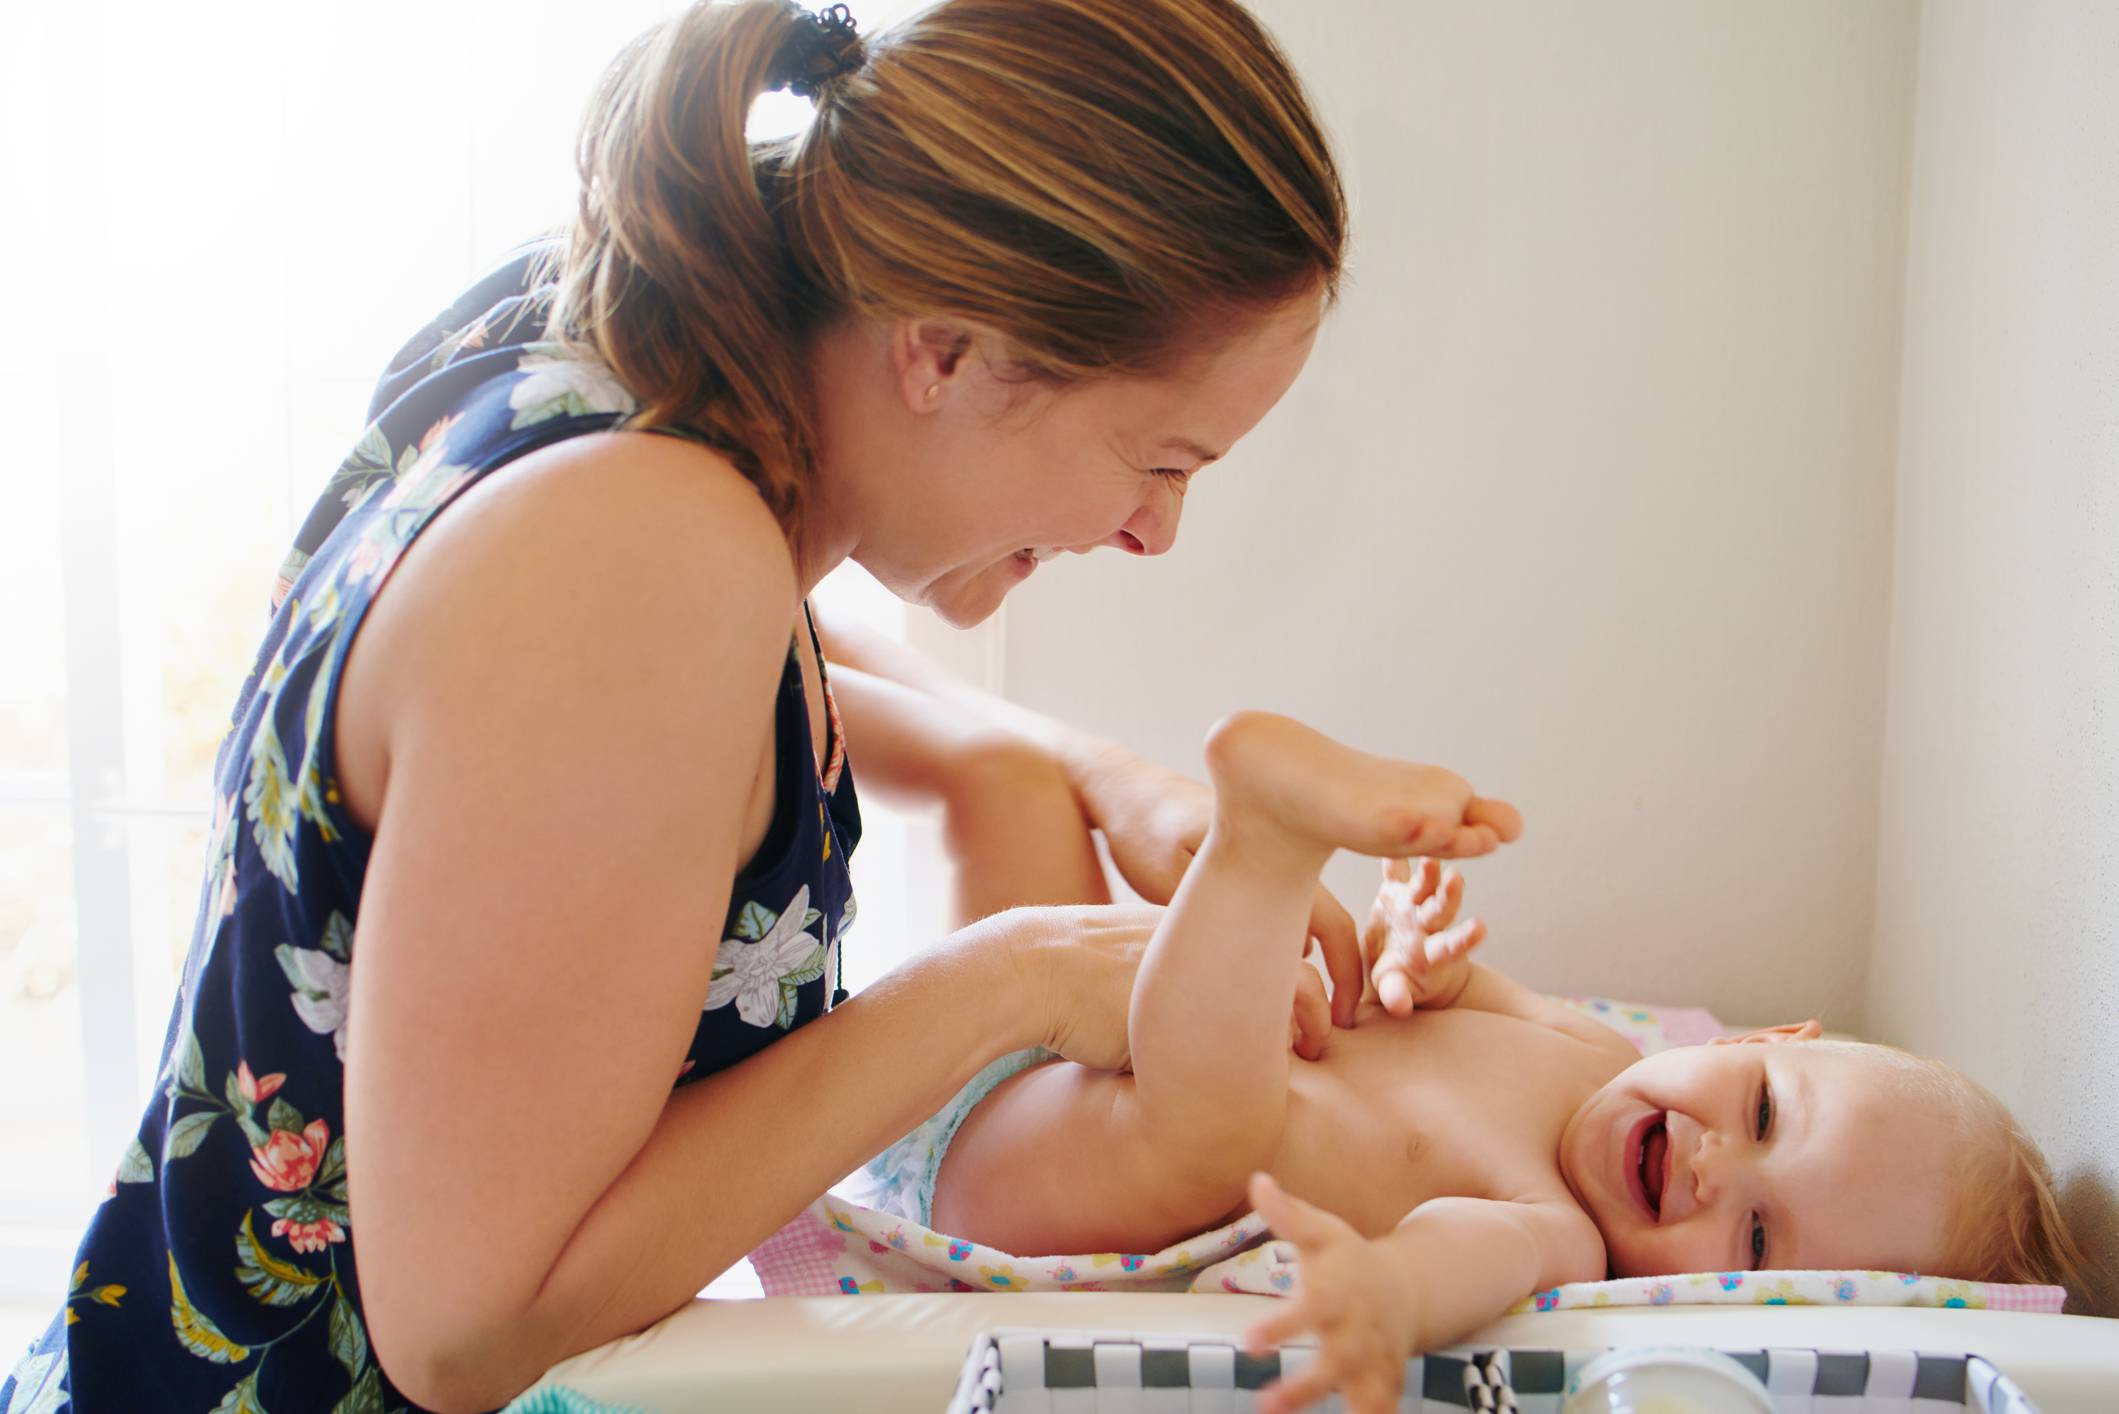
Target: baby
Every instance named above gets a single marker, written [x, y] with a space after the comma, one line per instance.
[1470, 1140]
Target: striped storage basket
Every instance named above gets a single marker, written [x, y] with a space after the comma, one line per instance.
[1089, 1372]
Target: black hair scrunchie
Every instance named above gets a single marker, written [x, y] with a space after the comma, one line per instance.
[823, 47]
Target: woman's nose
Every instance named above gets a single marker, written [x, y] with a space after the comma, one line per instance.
[1152, 529]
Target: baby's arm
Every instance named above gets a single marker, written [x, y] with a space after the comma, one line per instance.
[1453, 1265]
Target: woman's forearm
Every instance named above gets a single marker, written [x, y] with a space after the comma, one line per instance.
[1089, 762]
[736, 1155]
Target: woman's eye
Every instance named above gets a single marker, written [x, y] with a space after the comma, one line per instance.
[1758, 1243]
[1765, 1112]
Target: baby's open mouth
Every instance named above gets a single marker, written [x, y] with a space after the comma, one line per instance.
[1654, 1162]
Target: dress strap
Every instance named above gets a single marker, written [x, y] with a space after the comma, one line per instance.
[835, 735]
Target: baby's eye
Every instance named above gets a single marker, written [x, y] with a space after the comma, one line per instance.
[1758, 1243]
[1765, 1111]
[1172, 473]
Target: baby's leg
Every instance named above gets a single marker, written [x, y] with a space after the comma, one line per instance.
[1209, 1020]
[1015, 833]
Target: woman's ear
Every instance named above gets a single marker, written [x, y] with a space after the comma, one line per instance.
[1793, 1031]
[927, 357]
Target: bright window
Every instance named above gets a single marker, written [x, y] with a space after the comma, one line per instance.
[221, 223]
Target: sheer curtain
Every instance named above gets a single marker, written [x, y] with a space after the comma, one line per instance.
[219, 224]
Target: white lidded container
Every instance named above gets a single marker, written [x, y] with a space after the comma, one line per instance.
[1665, 1380]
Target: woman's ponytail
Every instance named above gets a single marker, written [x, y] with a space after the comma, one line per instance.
[676, 274]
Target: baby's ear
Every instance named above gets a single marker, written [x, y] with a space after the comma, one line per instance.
[1794, 1031]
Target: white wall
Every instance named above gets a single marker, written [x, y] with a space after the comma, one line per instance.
[1997, 928]
[1586, 491]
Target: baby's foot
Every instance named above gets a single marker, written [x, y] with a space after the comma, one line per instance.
[1281, 786]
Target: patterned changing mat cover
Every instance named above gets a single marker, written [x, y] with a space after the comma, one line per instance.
[838, 1247]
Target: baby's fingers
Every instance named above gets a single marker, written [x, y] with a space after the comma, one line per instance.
[1439, 908]
[1291, 1218]
[1290, 1318]
[1454, 942]
[1307, 1376]
[1311, 1023]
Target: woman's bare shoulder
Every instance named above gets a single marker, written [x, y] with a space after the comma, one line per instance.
[607, 560]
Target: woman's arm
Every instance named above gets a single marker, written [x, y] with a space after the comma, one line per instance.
[1153, 819]
[557, 737]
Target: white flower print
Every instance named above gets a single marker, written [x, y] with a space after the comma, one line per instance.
[761, 976]
[564, 387]
[323, 983]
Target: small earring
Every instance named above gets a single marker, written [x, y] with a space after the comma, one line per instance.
[934, 390]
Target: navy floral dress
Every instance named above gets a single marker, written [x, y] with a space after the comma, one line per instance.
[218, 1273]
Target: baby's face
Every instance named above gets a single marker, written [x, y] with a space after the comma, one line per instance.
[1777, 1153]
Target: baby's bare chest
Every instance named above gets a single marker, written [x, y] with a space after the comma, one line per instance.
[1443, 1104]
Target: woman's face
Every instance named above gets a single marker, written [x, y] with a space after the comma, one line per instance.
[949, 482]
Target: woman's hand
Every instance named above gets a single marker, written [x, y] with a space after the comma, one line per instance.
[1075, 966]
[1418, 953]
[1352, 1294]
[1155, 820]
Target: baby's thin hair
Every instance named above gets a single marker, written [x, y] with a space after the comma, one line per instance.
[2004, 1220]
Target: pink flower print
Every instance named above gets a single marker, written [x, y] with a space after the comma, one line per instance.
[255, 1090]
[1548, 1299]
[1730, 1280]
[287, 1161]
[959, 1249]
[1130, 1261]
[1229, 1285]
[308, 1237]
[958, 1284]
[438, 431]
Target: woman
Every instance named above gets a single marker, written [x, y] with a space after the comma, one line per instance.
[531, 744]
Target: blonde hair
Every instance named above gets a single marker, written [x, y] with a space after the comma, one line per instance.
[2004, 1221]
[1096, 181]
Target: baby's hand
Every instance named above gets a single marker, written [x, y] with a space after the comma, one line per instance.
[1418, 954]
[1352, 1295]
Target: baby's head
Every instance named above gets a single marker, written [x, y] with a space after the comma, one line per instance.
[1777, 1149]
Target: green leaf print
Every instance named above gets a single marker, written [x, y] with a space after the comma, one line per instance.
[186, 1135]
[755, 921]
[284, 1116]
[266, 1277]
[348, 1341]
[272, 803]
[191, 1061]
[243, 1399]
[366, 1396]
[313, 793]
[809, 971]
[135, 1166]
[195, 1331]
[338, 936]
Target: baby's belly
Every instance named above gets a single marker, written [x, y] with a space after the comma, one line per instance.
[1396, 1113]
